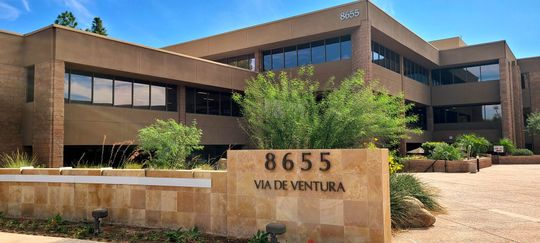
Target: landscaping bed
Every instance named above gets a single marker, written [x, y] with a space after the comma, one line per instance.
[512, 160]
[450, 166]
[56, 226]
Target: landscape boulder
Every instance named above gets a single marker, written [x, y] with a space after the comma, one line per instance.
[419, 217]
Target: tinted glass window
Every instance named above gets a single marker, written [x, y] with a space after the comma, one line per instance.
[141, 95]
[332, 50]
[473, 74]
[464, 114]
[252, 63]
[190, 100]
[317, 52]
[122, 93]
[172, 98]
[225, 104]
[30, 84]
[103, 91]
[81, 88]
[290, 57]
[158, 97]
[346, 48]
[267, 60]
[66, 86]
[213, 103]
[277, 59]
[304, 55]
[201, 102]
[490, 72]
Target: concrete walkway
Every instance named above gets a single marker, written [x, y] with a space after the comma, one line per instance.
[20, 238]
[498, 204]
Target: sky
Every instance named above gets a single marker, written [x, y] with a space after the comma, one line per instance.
[159, 23]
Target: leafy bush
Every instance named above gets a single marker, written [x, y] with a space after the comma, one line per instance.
[472, 144]
[170, 143]
[132, 165]
[283, 113]
[533, 123]
[508, 145]
[395, 163]
[404, 185]
[444, 151]
[259, 237]
[428, 147]
[188, 236]
[522, 152]
[17, 159]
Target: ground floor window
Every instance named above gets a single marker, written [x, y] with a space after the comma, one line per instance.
[470, 113]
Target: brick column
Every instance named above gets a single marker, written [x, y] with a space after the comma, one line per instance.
[258, 61]
[518, 105]
[361, 49]
[507, 108]
[48, 117]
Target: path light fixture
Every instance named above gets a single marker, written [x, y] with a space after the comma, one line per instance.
[98, 214]
[275, 229]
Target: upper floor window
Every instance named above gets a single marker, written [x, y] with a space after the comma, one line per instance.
[415, 71]
[210, 102]
[244, 61]
[316, 52]
[466, 74]
[385, 57]
[471, 113]
[97, 89]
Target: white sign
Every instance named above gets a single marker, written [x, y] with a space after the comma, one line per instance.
[345, 15]
[498, 149]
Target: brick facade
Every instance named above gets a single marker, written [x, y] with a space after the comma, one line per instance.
[48, 114]
[12, 99]
[361, 49]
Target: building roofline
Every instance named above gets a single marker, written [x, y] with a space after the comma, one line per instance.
[476, 45]
[402, 25]
[53, 26]
[528, 58]
[266, 23]
[11, 33]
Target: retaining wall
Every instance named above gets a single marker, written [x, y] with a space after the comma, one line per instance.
[450, 166]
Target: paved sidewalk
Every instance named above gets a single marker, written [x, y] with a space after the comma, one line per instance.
[20, 238]
[498, 204]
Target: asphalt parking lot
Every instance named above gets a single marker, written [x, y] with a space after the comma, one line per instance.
[499, 204]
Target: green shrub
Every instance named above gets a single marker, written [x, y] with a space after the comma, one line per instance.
[428, 147]
[404, 185]
[522, 152]
[472, 144]
[533, 123]
[508, 145]
[170, 143]
[395, 163]
[17, 159]
[259, 237]
[444, 151]
[132, 165]
[283, 112]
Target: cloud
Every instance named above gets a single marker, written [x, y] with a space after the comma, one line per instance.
[26, 5]
[8, 12]
[79, 9]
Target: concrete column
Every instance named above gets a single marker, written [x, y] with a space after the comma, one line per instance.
[361, 49]
[258, 61]
[507, 108]
[48, 117]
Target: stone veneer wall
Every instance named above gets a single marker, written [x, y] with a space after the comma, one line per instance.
[232, 206]
[359, 214]
[148, 206]
[12, 100]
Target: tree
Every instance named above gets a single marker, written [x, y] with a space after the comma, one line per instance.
[170, 143]
[533, 123]
[472, 144]
[66, 19]
[283, 112]
[97, 27]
